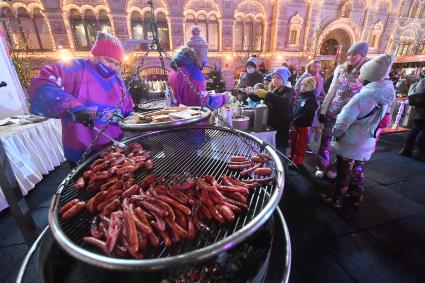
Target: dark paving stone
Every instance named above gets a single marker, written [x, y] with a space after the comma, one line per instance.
[388, 171]
[382, 205]
[40, 216]
[317, 267]
[9, 231]
[10, 260]
[420, 178]
[367, 261]
[408, 243]
[413, 189]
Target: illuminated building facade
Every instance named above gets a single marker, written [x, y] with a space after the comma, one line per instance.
[276, 30]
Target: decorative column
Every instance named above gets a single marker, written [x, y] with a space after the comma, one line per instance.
[307, 22]
[177, 31]
[364, 23]
[227, 34]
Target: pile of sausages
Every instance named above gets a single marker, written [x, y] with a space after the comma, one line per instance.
[250, 165]
[131, 218]
[113, 166]
[129, 222]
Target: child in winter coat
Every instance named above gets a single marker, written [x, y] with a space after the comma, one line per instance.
[356, 127]
[305, 110]
[344, 86]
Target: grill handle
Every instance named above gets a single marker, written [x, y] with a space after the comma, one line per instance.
[28, 257]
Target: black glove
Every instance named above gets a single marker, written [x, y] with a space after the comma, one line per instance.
[84, 117]
[322, 118]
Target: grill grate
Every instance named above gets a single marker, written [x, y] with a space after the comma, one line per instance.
[186, 152]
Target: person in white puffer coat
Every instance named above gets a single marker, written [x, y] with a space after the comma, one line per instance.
[354, 132]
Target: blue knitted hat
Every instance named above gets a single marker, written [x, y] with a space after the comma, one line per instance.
[283, 72]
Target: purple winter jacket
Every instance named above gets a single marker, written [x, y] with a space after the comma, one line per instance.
[75, 86]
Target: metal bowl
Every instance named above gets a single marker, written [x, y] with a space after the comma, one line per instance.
[193, 151]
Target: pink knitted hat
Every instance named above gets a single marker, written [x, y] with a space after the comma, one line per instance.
[108, 45]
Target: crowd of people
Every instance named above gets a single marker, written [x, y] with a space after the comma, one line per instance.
[350, 107]
[350, 112]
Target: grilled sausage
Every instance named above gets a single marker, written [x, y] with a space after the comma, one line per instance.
[266, 171]
[68, 205]
[96, 200]
[131, 191]
[226, 212]
[238, 158]
[126, 169]
[80, 183]
[74, 210]
[239, 166]
[149, 164]
[110, 207]
[88, 173]
[250, 170]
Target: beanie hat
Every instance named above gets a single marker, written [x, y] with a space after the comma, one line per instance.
[199, 45]
[376, 69]
[360, 48]
[308, 84]
[195, 30]
[252, 61]
[283, 72]
[108, 45]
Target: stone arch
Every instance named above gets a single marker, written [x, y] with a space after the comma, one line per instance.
[144, 3]
[207, 6]
[388, 5]
[251, 7]
[344, 24]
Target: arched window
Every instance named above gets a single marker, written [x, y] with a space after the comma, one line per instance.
[403, 48]
[213, 33]
[239, 34]
[91, 25]
[6, 19]
[104, 22]
[247, 33]
[163, 32]
[293, 35]
[207, 26]
[201, 22]
[147, 29]
[190, 21]
[137, 25]
[43, 30]
[78, 30]
[258, 35]
[375, 34]
[28, 30]
[295, 26]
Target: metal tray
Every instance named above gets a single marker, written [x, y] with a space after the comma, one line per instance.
[153, 102]
[205, 114]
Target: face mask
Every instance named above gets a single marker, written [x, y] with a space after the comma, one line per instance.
[250, 70]
[104, 70]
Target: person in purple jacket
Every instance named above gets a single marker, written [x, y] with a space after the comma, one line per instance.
[83, 93]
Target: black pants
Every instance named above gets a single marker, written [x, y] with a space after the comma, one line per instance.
[417, 132]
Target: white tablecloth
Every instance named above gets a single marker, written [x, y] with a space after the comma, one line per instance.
[33, 150]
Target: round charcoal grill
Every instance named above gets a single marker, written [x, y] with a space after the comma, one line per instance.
[183, 152]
